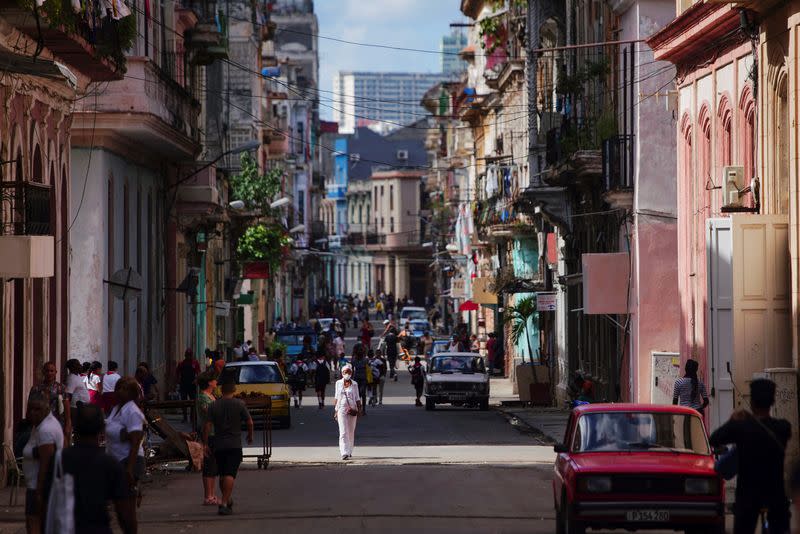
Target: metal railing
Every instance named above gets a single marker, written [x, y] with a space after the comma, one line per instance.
[26, 208]
[618, 164]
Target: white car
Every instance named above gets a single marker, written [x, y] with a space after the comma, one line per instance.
[412, 313]
[457, 378]
[325, 324]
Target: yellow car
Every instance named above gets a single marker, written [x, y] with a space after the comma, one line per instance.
[257, 379]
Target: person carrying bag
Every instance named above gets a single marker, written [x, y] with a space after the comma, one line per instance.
[346, 409]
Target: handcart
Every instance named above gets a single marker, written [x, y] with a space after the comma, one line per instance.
[173, 446]
[260, 409]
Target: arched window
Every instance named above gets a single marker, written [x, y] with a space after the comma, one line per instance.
[781, 132]
[724, 129]
[747, 106]
[37, 166]
[705, 181]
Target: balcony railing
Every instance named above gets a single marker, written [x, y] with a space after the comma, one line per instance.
[618, 162]
[26, 208]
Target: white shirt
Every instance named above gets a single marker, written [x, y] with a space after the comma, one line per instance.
[238, 351]
[92, 381]
[347, 398]
[47, 432]
[110, 381]
[76, 388]
[128, 418]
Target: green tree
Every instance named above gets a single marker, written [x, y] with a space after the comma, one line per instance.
[263, 242]
[521, 314]
[256, 190]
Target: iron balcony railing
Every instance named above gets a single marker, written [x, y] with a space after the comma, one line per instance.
[26, 208]
[618, 162]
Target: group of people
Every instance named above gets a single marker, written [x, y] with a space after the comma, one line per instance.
[64, 425]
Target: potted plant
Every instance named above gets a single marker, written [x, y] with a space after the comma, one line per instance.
[528, 384]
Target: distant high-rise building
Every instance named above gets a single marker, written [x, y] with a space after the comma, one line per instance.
[390, 98]
[451, 45]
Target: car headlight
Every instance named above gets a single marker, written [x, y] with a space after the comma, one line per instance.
[700, 486]
[595, 484]
[278, 397]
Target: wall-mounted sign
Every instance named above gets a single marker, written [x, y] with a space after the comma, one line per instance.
[546, 301]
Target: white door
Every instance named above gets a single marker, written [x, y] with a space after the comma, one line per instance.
[761, 295]
[719, 247]
[666, 370]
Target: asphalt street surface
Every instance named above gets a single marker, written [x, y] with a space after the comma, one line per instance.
[450, 470]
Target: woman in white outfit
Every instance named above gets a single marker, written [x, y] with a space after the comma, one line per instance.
[346, 410]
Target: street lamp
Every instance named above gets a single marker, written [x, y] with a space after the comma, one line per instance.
[451, 248]
[300, 228]
[236, 205]
[279, 203]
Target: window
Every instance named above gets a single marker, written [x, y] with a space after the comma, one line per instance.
[391, 197]
[381, 223]
[724, 139]
[381, 191]
[748, 132]
[391, 225]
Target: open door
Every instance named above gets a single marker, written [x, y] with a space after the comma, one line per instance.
[720, 318]
[761, 295]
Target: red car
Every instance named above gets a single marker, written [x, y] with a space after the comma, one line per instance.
[637, 466]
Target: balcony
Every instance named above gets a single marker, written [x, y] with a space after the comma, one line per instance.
[199, 194]
[149, 111]
[618, 169]
[364, 239]
[207, 43]
[27, 250]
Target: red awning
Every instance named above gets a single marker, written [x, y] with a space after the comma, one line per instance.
[468, 306]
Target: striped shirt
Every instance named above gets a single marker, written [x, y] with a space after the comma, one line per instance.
[683, 393]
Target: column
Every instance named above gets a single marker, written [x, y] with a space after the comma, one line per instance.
[390, 276]
[401, 277]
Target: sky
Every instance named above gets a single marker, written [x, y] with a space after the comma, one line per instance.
[404, 23]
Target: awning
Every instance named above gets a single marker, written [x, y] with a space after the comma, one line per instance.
[468, 306]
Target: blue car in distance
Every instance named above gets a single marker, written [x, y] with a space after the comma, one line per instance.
[293, 339]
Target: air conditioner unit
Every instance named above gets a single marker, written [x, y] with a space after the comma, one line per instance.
[732, 185]
[402, 155]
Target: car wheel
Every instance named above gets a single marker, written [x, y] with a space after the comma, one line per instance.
[570, 525]
[484, 405]
[429, 404]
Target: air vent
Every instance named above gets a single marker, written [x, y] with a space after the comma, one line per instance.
[402, 155]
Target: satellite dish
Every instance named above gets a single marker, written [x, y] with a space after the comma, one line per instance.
[126, 284]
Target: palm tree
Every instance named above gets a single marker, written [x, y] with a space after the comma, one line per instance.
[521, 314]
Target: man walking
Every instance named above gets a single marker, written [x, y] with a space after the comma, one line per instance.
[187, 372]
[761, 444]
[226, 416]
[391, 352]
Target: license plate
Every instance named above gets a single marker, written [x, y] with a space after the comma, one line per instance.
[654, 516]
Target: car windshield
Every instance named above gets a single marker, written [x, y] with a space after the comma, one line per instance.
[640, 431]
[414, 314]
[457, 364]
[252, 374]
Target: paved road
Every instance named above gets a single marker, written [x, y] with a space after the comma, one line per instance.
[450, 470]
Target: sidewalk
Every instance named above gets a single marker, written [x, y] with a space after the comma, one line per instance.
[551, 422]
[12, 518]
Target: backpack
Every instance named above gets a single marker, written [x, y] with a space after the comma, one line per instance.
[416, 374]
[300, 373]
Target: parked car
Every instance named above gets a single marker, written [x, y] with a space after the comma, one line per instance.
[293, 339]
[256, 379]
[457, 378]
[637, 466]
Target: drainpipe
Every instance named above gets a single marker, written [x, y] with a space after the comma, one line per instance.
[200, 313]
[532, 60]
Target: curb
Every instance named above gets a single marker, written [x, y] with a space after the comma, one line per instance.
[524, 427]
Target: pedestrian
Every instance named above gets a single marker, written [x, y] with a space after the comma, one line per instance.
[297, 381]
[338, 344]
[46, 438]
[187, 372]
[383, 368]
[474, 344]
[454, 346]
[225, 418]
[390, 339]
[366, 334]
[92, 381]
[322, 377]
[360, 374]
[238, 351]
[761, 446]
[379, 309]
[207, 383]
[417, 378]
[375, 367]
[97, 477]
[108, 387]
[147, 382]
[426, 343]
[252, 356]
[491, 344]
[76, 386]
[690, 390]
[56, 394]
[347, 406]
[124, 436]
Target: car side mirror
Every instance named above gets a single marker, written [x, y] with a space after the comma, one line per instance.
[560, 447]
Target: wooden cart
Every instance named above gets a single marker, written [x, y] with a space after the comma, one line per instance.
[260, 409]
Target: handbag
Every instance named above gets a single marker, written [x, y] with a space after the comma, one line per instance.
[61, 504]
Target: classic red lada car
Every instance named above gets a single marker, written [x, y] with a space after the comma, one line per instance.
[637, 466]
